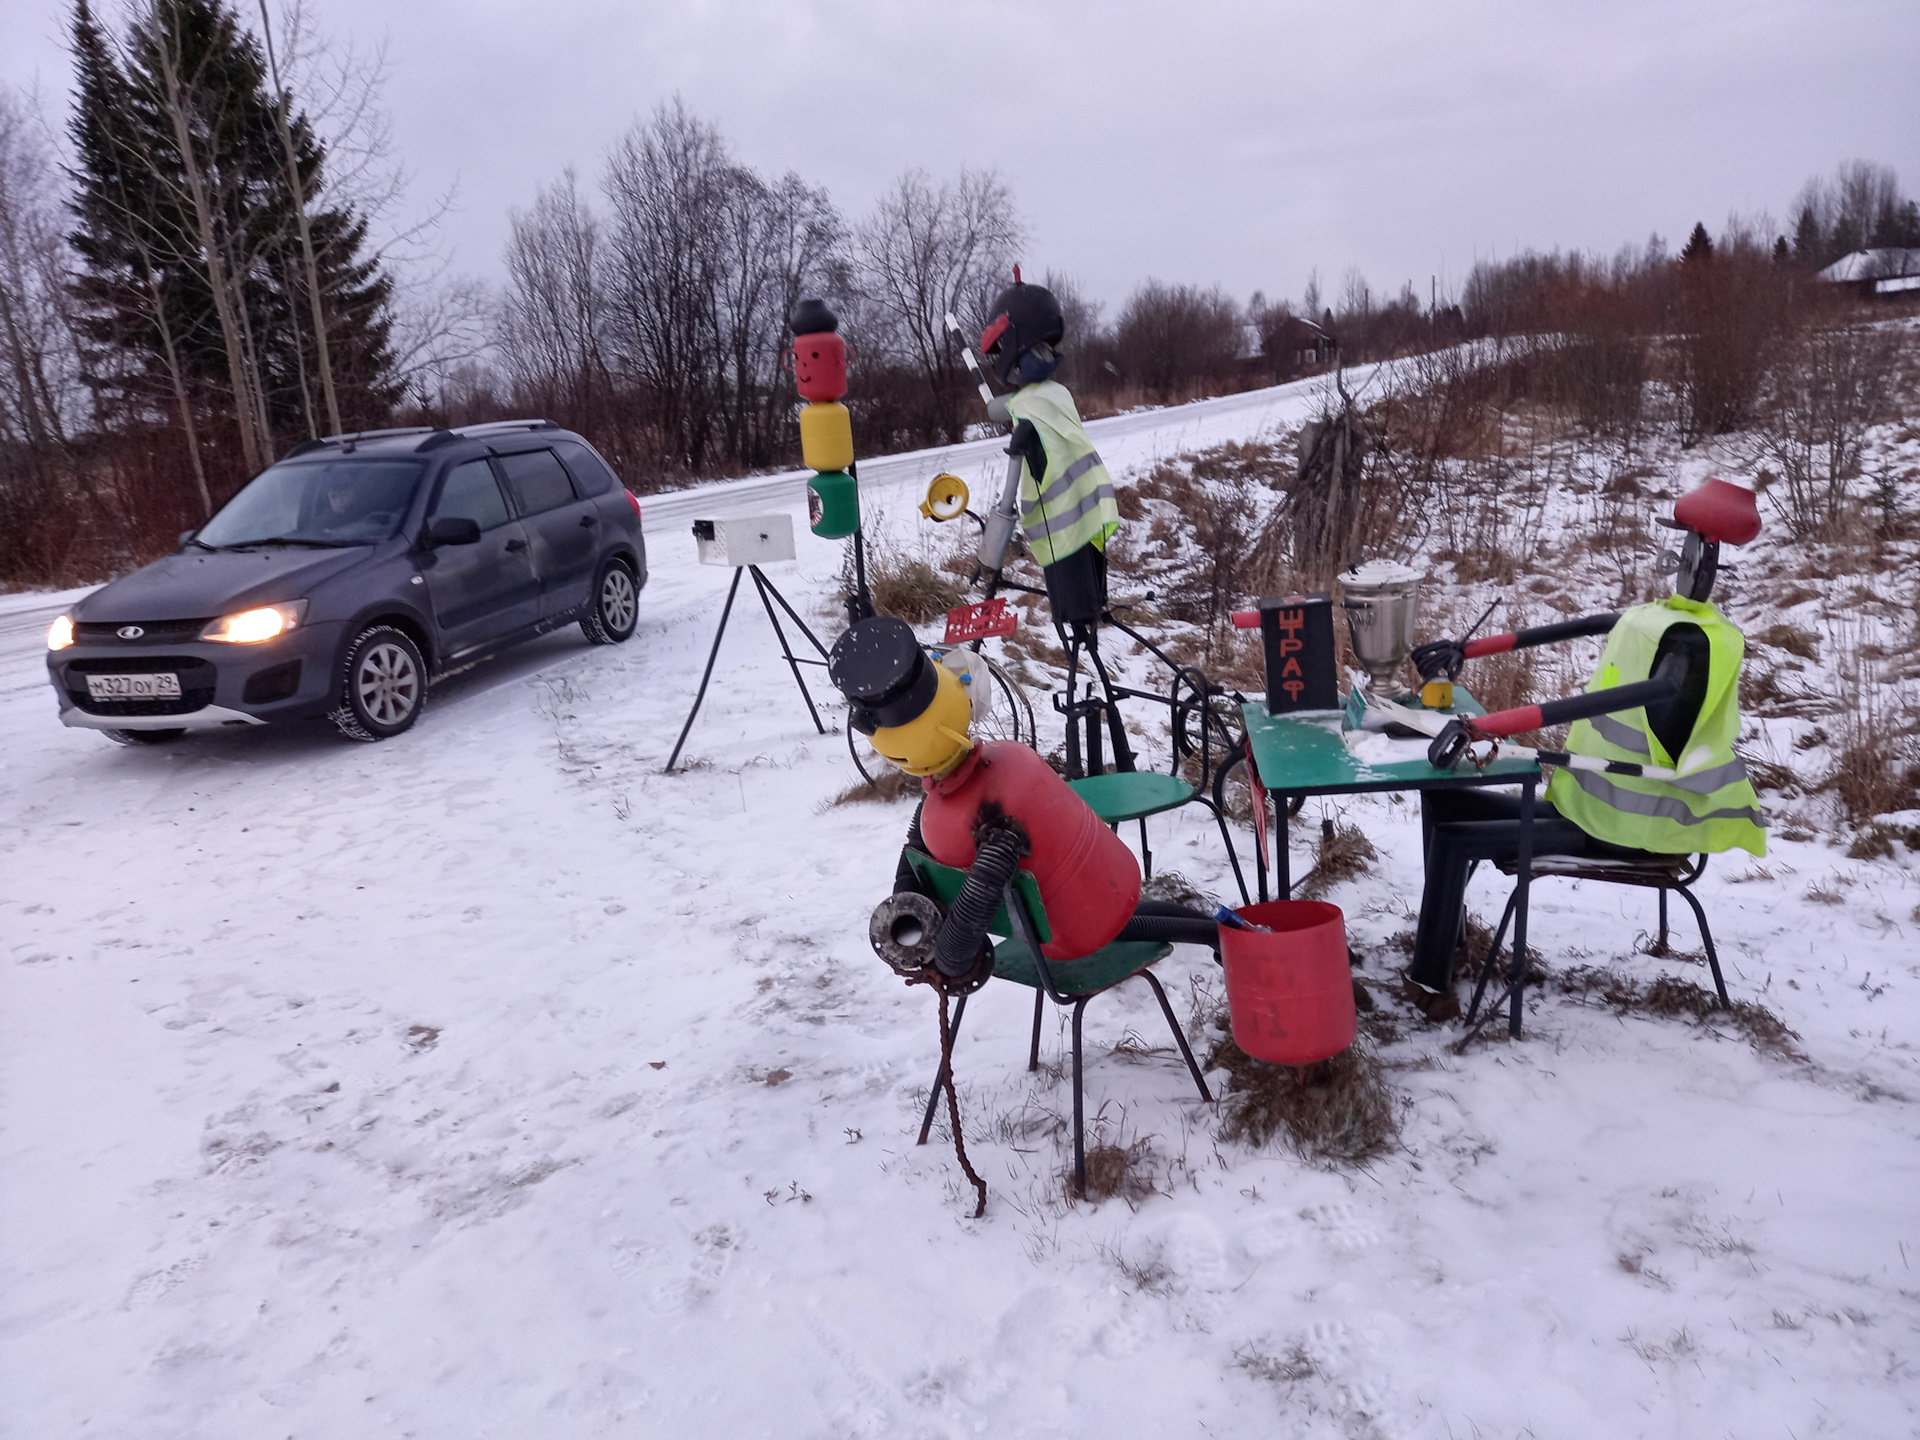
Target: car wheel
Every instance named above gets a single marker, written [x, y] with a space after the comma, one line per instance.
[616, 606]
[142, 737]
[383, 685]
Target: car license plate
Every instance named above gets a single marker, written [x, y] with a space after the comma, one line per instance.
[134, 687]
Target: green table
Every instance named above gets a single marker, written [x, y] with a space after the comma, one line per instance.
[1304, 753]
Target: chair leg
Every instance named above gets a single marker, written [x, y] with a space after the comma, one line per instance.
[1039, 1004]
[1660, 945]
[1146, 855]
[1493, 950]
[1180, 1039]
[940, 1075]
[1079, 1118]
[1706, 940]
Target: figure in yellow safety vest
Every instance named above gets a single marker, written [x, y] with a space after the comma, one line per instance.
[1067, 507]
[1665, 695]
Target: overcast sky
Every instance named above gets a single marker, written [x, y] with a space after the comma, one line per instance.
[1240, 144]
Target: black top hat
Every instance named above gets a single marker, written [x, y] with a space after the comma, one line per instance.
[885, 675]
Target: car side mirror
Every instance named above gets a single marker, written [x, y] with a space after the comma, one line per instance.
[451, 530]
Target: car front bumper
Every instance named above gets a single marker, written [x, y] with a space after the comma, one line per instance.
[290, 678]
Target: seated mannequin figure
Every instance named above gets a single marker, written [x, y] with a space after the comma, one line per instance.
[1665, 693]
[916, 713]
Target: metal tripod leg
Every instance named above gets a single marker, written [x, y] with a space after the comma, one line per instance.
[763, 585]
[707, 674]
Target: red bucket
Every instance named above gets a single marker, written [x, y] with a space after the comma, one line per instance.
[1290, 993]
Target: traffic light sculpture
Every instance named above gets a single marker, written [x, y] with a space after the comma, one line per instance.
[818, 360]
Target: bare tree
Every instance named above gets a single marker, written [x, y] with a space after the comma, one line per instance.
[550, 321]
[667, 183]
[297, 185]
[929, 250]
[185, 105]
[1828, 388]
[1170, 336]
[39, 379]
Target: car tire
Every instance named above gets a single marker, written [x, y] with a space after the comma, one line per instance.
[142, 737]
[383, 685]
[616, 606]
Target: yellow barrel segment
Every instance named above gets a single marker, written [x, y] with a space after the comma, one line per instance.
[826, 437]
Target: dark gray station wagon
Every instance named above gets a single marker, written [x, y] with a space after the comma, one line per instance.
[344, 580]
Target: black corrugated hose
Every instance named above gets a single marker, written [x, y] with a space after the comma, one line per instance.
[1178, 924]
[956, 949]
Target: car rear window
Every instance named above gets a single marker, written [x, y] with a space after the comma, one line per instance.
[471, 493]
[590, 472]
[538, 479]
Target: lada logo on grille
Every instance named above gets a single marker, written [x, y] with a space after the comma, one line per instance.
[130, 632]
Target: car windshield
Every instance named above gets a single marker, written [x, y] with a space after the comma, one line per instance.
[317, 502]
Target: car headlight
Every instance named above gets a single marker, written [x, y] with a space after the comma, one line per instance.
[60, 633]
[250, 627]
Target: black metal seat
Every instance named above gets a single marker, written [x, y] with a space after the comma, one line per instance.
[1645, 868]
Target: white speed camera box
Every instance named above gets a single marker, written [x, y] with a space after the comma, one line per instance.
[744, 540]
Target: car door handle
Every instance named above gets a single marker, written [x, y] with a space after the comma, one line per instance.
[587, 522]
[513, 545]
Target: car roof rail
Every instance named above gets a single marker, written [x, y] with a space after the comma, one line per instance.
[495, 427]
[355, 438]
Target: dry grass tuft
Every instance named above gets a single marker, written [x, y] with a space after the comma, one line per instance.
[1120, 1171]
[884, 789]
[1667, 997]
[910, 589]
[1794, 639]
[1337, 1113]
[1172, 886]
[1873, 843]
[1344, 853]
[1471, 953]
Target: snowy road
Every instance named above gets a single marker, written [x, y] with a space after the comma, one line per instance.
[489, 1082]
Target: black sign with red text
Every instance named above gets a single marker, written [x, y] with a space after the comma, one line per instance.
[1296, 632]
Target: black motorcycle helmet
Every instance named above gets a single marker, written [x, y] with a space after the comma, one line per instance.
[1018, 341]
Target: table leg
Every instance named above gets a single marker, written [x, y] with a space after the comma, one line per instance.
[1522, 880]
[1283, 859]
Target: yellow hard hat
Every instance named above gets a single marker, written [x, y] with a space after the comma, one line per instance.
[946, 497]
[934, 740]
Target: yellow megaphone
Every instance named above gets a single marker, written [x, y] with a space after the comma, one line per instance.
[946, 497]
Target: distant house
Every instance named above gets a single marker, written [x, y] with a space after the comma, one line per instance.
[1885, 271]
[1296, 344]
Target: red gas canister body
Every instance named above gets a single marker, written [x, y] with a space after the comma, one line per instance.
[1089, 880]
[819, 366]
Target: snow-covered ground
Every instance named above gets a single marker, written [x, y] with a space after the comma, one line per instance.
[490, 1082]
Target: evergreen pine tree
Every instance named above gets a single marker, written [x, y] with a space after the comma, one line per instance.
[156, 320]
[1809, 247]
[1699, 246]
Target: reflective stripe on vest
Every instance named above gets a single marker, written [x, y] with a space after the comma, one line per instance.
[1711, 806]
[1625, 736]
[1607, 792]
[1077, 506]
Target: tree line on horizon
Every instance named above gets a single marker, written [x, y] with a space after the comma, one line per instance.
[211, 270]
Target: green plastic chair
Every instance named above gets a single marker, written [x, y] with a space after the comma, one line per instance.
[1128, 794]
[1074, 982]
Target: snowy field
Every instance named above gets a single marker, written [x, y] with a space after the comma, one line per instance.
[489, 1082]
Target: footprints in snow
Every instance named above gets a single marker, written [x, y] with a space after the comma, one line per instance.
[713, 1251]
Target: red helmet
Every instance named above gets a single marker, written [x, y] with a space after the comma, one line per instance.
[1719, 512]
